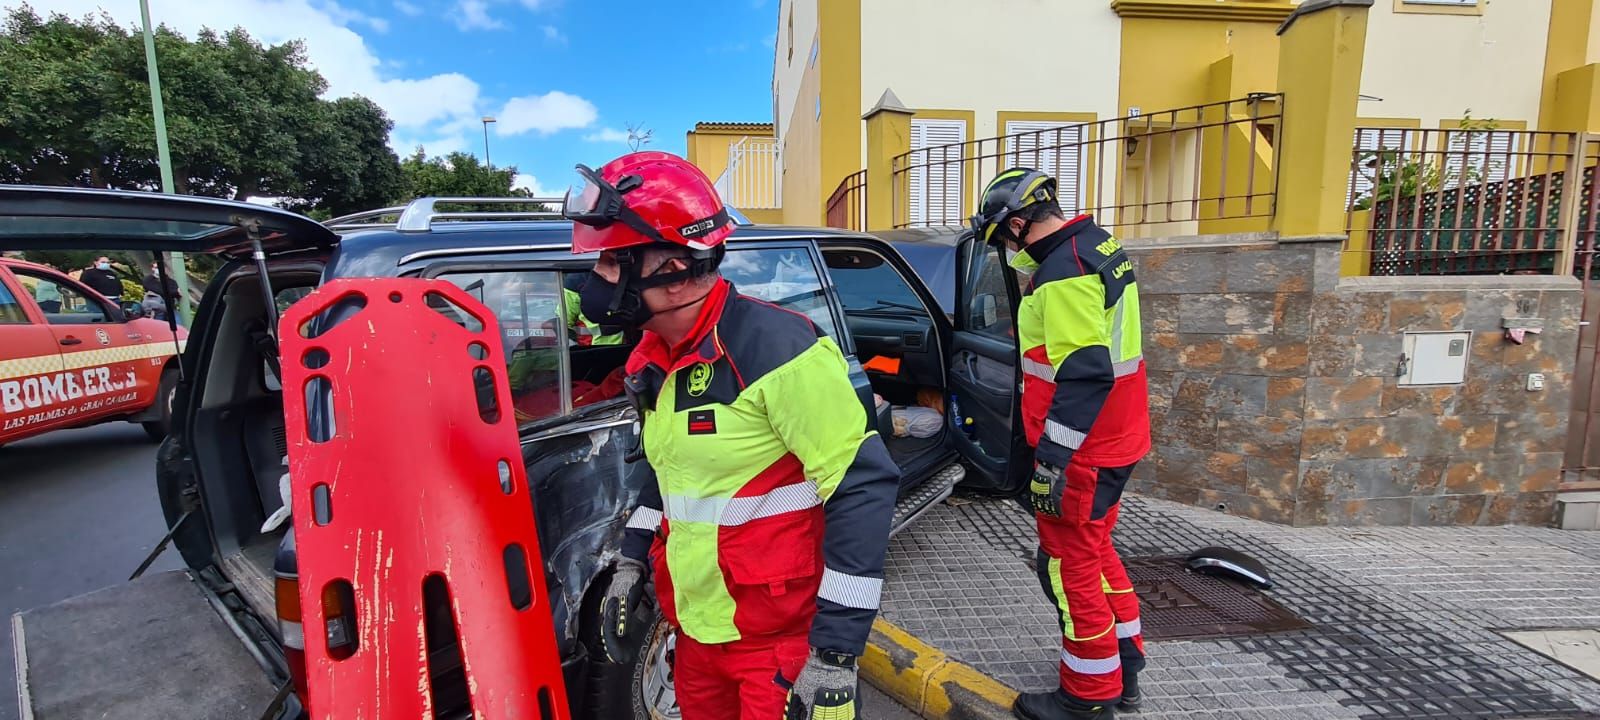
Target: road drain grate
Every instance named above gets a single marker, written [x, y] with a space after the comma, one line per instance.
[1176, 604]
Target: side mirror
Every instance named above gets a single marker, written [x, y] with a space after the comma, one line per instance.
[132, 310]
[985, 310]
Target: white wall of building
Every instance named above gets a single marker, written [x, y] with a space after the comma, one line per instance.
[787, 71]
[1435, 67]
[1021, 55]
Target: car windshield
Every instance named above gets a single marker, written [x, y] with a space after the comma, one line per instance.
[126, 278]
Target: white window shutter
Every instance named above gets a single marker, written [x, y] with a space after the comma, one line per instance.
[936, 188]
[1057, 151]
[1478, 156]
[1373, 140]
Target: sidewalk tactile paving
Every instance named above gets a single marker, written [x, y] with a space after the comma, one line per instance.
[1405, 620]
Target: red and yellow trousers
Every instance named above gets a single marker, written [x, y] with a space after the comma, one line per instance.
[1088, 586]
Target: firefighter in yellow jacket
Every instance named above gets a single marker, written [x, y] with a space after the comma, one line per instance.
[1085, 409]
[768, 521]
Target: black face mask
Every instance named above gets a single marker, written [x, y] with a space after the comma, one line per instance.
[596, 297]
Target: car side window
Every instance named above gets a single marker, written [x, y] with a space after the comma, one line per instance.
[62, 304]
[10, 310]
[549, 372]
[989, 307]
[865, 281]
[786, 277]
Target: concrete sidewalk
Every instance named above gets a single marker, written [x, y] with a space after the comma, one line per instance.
[1403, 622]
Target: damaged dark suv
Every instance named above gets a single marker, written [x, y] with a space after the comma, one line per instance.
[923, 316]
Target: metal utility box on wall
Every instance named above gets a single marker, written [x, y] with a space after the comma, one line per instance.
[1435, 358]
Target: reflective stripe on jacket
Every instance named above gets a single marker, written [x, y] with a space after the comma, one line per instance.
[1084, 392]
[774, 501]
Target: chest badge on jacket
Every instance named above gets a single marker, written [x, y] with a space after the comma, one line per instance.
[702, 422]
[699, 379]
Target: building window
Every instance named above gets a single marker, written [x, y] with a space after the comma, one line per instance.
[815, 48]
[819, 107]
[791, 34]
[937, 172]
[1376, 148]
[1054, 148]
[1440, 7]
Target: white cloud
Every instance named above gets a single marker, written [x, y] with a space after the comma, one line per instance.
[407, 9]
[607, 135]
[531, 184]
[437, 107]
[545, 114]
[553, 34]
[474, 15]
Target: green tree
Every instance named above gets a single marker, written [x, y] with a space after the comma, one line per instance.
[456, 175]
[243, 118]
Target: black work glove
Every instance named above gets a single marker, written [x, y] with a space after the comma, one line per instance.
[824, 691]
[618, 608]
[1044, 491]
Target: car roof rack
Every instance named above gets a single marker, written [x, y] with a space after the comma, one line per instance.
[420, 214]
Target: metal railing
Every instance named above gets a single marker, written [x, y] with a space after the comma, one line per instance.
[847, 206]
[752, 178]
[1469, 201]
[1161, 172]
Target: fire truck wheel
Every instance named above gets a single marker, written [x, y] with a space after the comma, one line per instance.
[158, 429]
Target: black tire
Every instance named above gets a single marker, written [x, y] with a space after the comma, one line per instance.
[613, 691]
[158, 429]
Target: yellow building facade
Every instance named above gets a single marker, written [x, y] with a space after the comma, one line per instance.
[969, 70]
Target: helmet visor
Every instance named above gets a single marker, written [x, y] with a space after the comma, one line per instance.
[591, 200]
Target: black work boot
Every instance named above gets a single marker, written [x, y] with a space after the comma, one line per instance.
[1056, 705]
[1132, 662]
[1130, 692]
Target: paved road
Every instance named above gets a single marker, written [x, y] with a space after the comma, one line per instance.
[78, 512]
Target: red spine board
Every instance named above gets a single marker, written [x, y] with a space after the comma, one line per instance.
[413, 487]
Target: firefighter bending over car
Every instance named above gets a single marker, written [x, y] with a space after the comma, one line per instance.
[1085, 409]
[768, 520]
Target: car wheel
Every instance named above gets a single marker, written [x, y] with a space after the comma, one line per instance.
[166, 392]
[654, 696]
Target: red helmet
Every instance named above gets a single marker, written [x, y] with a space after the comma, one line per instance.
[643, 198]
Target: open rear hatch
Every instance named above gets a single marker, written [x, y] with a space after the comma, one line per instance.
[157, 647]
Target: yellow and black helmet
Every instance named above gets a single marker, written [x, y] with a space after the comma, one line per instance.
[1007, 193]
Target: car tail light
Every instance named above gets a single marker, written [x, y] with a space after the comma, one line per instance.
[294, 635]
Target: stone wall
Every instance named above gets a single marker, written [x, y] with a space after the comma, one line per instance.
[1274, 392]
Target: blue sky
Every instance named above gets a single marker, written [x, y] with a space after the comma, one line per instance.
[565, 78]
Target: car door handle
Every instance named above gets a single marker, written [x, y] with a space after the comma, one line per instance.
[972, 374]
[69, 340]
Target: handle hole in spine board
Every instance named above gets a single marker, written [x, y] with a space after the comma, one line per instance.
[488, 394]
[478, 351]
[343, 626]
[547, 704]
[321, 504]
[346, 307]
[517, 582]
[447, 677]
[503, 469]
[320, 424]
[315, 359]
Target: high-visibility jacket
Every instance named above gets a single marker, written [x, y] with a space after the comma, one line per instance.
[1084, 391]
[772, 500]
[584, 330]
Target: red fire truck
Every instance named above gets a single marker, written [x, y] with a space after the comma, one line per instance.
[70, 357]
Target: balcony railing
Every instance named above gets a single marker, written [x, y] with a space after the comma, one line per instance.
[752, 179]
[1159, 171]
[847, 206]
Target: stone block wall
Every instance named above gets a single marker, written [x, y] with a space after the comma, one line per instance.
[1274, 393]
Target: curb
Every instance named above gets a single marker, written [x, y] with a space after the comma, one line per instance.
[929, 682]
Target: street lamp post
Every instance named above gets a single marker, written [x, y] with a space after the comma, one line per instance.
[486, 120]
[180, 274]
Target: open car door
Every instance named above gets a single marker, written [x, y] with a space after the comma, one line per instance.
[177, 643]
[983, 380]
